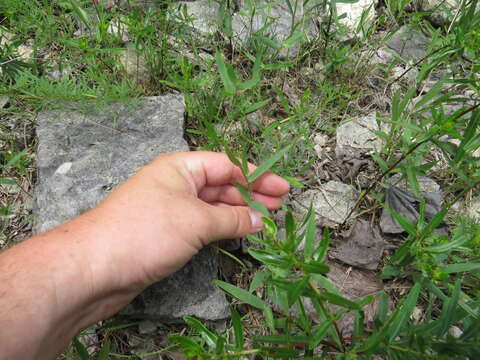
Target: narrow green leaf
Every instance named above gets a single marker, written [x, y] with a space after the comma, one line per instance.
[228, 80]
[14, 160]
[255, 205]
[7, 181]
[104, 351]
[260, 207]
[81, 14]
[286, 339]
[241, 295]
[382, 309]
[293, 39]
[233, 158]
[403, 313]
[269, 320]
[255, 106]
[315, 267]
[294, 181]
[434, 222]
[81, 349]
[208, 336]
[270, 258]
[258, 279]
[267, 164]
[290, 229]
[340, 301]
[310, 234]
[237, 329]
[295, 291]
[406, 225]
[459, 268]
[189, 347]
[446, 319]
[321, 251]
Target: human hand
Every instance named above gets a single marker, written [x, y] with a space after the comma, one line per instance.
[90, 267]
[158, 219]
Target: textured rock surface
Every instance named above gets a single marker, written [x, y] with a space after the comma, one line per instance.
[359, 133]
[203, 14]
[83, 155]
[248, 21]
[354, 11]
[361, 247]
[473, 210]
[409, 43]
[401, 200]
[332, 202]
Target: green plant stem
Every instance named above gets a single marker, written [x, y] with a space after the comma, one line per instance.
[403, 157]
[329, 314]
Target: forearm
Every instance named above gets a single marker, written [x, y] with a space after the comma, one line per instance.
[52, 286]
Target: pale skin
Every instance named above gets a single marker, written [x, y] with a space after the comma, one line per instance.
[55, 284]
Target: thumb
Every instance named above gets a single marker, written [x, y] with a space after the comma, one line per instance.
[231, 222]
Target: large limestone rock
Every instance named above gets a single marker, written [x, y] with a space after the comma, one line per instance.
[82, 155]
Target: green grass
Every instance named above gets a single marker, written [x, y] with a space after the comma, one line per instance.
[250, 101]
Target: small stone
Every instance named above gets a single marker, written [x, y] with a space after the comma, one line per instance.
[147, 327]
[359, 133]
[320, 139]
[417, 314]
[455, 331]
[254, 120]
[409, 44]
[354, 12]
[3, 240]
[25, 52]
[9, 189]
[64, 168]
[117, 27]
[250, 20]
[332, 202]
[203, 15]
[442, 11]
[473, 210]
[3, 101]
[133, 64]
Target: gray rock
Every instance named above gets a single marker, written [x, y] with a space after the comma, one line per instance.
[277, 16]
[355, 285]
[147, 327]
[359, 133]
[443, 11]
[401, 200]
[354, 13]
[82, 155]
[408, 43]
[473, 210]
[3, 101]
[361, 247]
[332, 202]
[133, 64]
[203, 14]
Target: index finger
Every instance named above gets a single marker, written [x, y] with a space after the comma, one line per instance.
[215, 169]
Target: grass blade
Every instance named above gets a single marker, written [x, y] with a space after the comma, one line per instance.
[242, 295]
[267, 164]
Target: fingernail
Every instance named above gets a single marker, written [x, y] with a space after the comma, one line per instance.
[256, 219]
